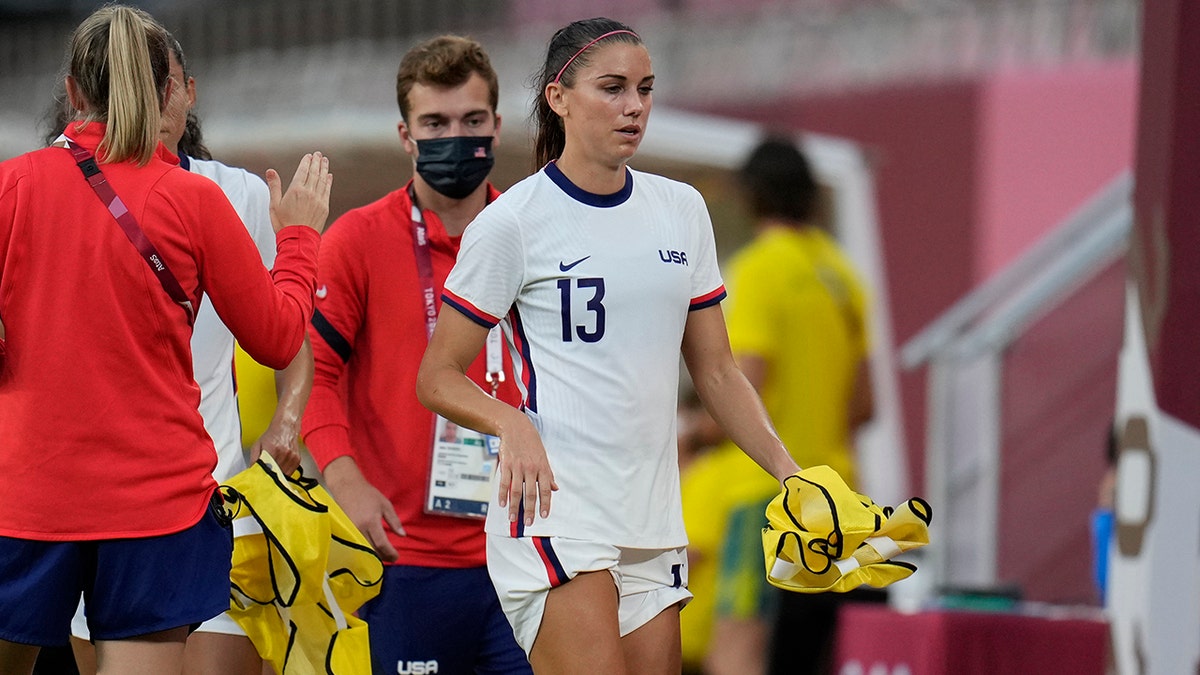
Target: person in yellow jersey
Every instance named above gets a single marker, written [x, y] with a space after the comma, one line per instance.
[712, 479]
[798, 329]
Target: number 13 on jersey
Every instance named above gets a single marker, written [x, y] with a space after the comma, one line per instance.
[590, 291]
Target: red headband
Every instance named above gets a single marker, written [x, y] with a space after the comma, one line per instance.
[585, 47]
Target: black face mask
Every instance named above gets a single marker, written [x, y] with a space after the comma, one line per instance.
[455, 166]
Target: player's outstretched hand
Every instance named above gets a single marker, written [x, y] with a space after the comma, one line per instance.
[526, 479]
[306, 201]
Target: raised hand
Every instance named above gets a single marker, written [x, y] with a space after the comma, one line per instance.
[306, 201]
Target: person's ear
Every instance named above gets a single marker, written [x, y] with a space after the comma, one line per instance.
[191, 92]
[74, 96]
[496, 133]
[556, 96]
[406, 139]
[168, 90]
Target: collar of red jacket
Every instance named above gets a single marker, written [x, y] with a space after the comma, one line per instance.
[89, 135]
[437, 231]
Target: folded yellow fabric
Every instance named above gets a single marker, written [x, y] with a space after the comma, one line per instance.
[300, 568]
[823, 536]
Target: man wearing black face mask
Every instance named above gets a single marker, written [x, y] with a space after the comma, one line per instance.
[408, 484]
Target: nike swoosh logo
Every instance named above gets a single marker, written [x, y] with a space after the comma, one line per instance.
[563, 267]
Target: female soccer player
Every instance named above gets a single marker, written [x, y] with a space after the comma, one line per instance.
[600, 276]
[104, 461]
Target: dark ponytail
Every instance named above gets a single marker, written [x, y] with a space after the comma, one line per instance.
[564, 47]
[56, 116]
[192, 141]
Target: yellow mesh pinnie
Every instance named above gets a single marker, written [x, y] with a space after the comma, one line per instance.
[823, 536]
[300, 570]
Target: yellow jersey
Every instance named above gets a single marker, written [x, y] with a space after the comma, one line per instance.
[796, 302]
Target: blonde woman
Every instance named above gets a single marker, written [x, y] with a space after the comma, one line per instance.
[104, 461]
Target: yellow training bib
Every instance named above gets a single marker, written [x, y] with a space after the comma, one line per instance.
[823, 536]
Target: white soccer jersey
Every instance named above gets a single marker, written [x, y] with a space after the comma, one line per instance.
[593, 292]
[212, 343]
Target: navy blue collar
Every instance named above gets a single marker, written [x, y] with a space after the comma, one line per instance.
[185, 162]
[590, 198]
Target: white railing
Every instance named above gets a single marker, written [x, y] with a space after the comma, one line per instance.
[964, 349]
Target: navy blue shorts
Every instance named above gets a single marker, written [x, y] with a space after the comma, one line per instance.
[131, 587]
[449, 617]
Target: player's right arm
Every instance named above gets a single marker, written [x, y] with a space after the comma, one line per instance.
[443, 387]
[483, 284]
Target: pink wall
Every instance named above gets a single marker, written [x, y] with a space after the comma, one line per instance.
[1047, 140]
[1054, 439]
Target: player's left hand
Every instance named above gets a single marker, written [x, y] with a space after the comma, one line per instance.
[281, 441]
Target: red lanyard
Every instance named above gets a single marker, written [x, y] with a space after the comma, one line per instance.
[95, 178]
[420, 234]
[424, 259]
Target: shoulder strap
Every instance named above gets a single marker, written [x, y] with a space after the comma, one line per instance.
[91, 171]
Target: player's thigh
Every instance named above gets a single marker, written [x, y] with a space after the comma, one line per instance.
[587, 606]
[40, 583]
[85, 655]
[187, 570]
[220, 654]
[526, 570]
[653, 590]
[17, 659]
[651, 580]
[159, 652]
[654, 648]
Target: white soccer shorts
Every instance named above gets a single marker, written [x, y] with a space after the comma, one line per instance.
[525, 569]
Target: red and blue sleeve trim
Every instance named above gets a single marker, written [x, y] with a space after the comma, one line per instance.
[469, 310]
[554, 569]
[708, 299]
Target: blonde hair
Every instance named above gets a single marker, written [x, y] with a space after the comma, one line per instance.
[119, 60]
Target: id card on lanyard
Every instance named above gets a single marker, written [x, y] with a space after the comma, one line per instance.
[463, 461]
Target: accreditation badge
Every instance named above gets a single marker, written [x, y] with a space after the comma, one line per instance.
[460, 476]
[464, 460]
